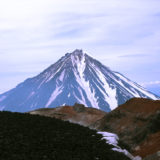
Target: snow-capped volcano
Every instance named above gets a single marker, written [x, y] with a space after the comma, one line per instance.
[75, 78]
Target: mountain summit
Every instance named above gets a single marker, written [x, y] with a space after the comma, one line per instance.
[75, 78]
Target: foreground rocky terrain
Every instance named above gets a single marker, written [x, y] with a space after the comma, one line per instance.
[33, 137]
[137, 123]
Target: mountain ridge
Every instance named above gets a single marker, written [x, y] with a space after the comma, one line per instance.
[74, 78]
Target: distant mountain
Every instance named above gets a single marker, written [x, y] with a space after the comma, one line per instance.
[155, 88]
[75, 78]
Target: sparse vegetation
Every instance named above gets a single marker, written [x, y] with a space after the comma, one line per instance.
[140, 135]
[33, 137]
[155, 123]
[114, 115]
[152, 126]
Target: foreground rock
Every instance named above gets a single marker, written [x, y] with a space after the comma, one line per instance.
[137, 122]
[34, 137]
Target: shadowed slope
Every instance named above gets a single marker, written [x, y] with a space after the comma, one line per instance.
[33, 137]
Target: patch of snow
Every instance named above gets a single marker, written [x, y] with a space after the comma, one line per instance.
[73, 60]
[129, 155]
[79, 74]
[53, 96]
[62, 76]
[112, 139]
[68, 95]
[110, 97]
[81, 101]
[32, 93]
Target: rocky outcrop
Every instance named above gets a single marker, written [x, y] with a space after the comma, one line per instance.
[75, 114]
[79, 107]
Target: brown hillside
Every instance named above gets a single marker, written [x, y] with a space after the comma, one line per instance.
[137, 122]
[76, 114]
[141, 105]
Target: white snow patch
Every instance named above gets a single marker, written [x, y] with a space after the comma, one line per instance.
[2, 98]
[110, 95]
[73, 60]
[112, 139]
[32, 93]
[68, 95]
[62, 76]
[129, 155]
[53, 96]
[81, 101]
[136, 86]
[79, 74]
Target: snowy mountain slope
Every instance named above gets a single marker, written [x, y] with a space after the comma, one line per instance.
[76, 77]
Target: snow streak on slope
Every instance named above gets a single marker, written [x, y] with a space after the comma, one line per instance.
[113, 139]
[111, 96]
[138, 87]
[55, 93]
[79, 74]
[75, 78]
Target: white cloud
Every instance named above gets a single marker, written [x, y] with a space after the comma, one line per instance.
[146, 84]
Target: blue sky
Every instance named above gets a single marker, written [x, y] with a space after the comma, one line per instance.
[122, 34]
